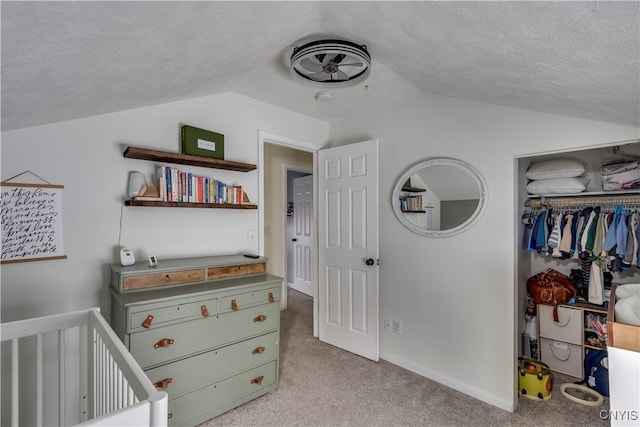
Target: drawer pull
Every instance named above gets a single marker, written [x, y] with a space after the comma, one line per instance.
[234, 305]
[561, 324]
[257, 380]
[204, 311]
[258, 350]
[271, 298]
[162, 384]
[260, 318]
[170, 415]
[147, 321]
[163, 343]
[563, 357]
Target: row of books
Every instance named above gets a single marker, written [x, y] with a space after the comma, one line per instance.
[411, 203]
[175, 185]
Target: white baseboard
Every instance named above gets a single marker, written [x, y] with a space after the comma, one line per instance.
[491, 399]
[299, 289]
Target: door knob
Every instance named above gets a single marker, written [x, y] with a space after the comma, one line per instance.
[294, 240]
[369, 261]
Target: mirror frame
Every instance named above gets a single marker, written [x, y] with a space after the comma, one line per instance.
[441, 161]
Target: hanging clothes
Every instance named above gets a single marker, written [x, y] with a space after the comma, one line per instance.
[611, 239]
[575, 235]
[609, 235]
[556, 235]
[565, 242]
[634, 226]
[596, 285]
[594, 217]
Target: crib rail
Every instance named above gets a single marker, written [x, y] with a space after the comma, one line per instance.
[110, 387]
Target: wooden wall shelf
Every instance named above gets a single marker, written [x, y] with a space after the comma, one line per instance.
[412, 189]
[158, 204]
[186, 159]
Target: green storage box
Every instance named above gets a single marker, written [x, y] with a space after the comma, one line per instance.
[201, 142]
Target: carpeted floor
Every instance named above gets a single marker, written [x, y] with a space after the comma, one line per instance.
[321, 385]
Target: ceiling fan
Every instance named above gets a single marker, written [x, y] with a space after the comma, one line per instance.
[331, 63]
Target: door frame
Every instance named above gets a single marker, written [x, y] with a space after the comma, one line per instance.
[297, 144]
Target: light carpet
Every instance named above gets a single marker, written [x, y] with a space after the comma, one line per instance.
[322, 385]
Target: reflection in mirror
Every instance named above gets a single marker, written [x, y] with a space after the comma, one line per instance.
[439, 197]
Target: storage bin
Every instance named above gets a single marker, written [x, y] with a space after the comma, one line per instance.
[562, 357]
[568, 328]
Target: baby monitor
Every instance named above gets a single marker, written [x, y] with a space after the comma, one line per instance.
[127, 257]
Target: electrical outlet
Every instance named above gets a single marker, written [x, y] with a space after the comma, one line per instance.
[387, 325]
[397, 327]
[251, 237]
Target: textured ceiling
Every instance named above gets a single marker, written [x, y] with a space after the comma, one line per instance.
[65, 60]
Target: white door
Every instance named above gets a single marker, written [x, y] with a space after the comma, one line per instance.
[348, 247]
[303, 234]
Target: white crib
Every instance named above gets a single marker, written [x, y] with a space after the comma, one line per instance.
[73, 366]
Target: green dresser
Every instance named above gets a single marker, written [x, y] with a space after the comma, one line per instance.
[209, 339]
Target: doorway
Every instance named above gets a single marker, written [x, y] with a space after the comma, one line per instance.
[277, 156]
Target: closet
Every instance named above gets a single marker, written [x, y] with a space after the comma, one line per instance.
[531, 262]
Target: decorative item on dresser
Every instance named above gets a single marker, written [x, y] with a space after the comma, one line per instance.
[205, 330]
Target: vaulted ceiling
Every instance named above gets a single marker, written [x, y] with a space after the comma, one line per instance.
[65, 60]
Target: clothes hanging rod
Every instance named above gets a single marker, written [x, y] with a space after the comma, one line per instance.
[589, 200]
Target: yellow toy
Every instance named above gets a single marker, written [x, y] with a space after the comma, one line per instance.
[534, 379]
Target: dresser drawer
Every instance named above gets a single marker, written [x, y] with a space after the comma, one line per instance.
[199, 371]
[207, 402]
[164, 313]
[567, 329]
[214, 273]
[249, 299]
[143, 281]
[562, 357]
[160, 345]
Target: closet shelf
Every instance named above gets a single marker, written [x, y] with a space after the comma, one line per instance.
[635, 192]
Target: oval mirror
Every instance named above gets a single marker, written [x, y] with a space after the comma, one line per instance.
[439, 197]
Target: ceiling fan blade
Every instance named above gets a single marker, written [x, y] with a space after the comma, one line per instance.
[355, 64]
[339, 58]
[310, 65]
[320, 77]
[323, 58]
[341, 75]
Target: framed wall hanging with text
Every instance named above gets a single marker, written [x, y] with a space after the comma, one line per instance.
[31, 222]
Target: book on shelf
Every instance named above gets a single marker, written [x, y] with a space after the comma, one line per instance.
[174, 185]
[411, 203]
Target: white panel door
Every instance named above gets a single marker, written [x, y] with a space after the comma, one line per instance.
[303, 234]
[348, 247]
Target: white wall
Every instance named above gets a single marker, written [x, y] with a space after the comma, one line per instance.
[86, 157]
[455, 296]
